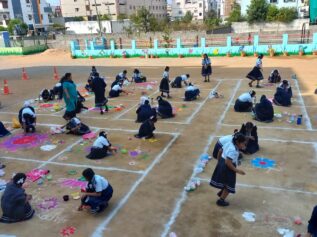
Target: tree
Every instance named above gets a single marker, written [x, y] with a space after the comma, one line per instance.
[78, 18]
[17, 26]
[235, 15]
[2, 28]
[122, 16]
[287, 14]
[188, 17]
[272, 13]
[211, 20]
[105, 17]
[144, 21]
[257, 11]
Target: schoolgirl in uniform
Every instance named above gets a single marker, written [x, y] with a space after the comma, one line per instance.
[76, 127]
[97, 194]
[164, 85]
[177, 82]
[100, 147]
[264, 111]
[80, 103]
[98, 86]
[164, 109]
[47, 95]
[312, 224]
[275, 77]
[137, 76]
[191, 92]
[249, 130]
[220, 143]
[224, 176]
[27, 117]
[256, 73]
[122, 76]
[147, 128]
[283, 94]
[3, 131]
[145, 112]
[15, 202]
[244, 103]
[206, 69]
[116, 90]
[144, 98]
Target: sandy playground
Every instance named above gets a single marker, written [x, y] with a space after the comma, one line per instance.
[149, 197]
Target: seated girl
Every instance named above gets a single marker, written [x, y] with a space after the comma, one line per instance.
[177, 83]
[283, 94]
[137, 76]
[80, 101]
[58, 91]
[165, 109]
[122, 76]
[275, 76]
[76, 127]
[263, 111]
[147, 128]
[3, 131]
[116, 90]
[144, 98]
[97, 193]
[244, 103]
[90, 78]
[220, 143]
[251, 134]
[47, 95]
[15, 202]
[145, 112]
[27, 117]
[100, 147]
[191, 92]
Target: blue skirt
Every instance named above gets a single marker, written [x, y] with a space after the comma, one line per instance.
[217, 147]
[206, 71]
[255, 74]
[223, 177]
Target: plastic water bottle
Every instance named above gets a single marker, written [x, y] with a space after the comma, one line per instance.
[292, 118]
[299, 119]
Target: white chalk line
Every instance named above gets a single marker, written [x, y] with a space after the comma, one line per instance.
[100, 229]
[271, 127]
[99, 128]
[270, 188]
[190, 118]
[109, 168]
[304, 110]
[280, 140]
[183, 194]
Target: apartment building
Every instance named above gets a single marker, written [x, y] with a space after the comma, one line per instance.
[35, 13]
[4, 13]
[112, 8]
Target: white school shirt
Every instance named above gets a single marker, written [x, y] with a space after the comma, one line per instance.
[117, 88]
[184, 77]
[75, 121]
[27, 111]
[143, 99]
[166, 74]
[191, 88]
[100, 183]
[206, 62]
[230, 152]
[258, 63]
[245, 97]
[122, 75]
[137, 75]
[225, 139]
[101, 142]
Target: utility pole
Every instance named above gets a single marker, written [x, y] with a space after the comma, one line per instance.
[98, 18]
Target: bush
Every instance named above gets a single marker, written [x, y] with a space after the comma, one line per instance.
[235, 15]
[287, 14]
[2, 28]
[272, 13]
[18, 25]
[257, 11]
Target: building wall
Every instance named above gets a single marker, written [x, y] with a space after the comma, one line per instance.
[196, 7]
[72, 8]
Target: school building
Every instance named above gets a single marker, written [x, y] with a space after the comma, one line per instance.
[36, 14]
[4, 13]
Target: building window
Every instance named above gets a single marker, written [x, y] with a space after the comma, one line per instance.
[200, 14]
[75, 0]
[273, 1]
[133, 7]
[180, 12]
[27, 1]
[130, 7]
[178, 4]
[42, 17]
[200, 5]
[30, 17]
[76, 9]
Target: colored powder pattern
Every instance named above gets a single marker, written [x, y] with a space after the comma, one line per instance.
[73, 183]
[22, 141]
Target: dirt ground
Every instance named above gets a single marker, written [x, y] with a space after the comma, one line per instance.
[149, 197]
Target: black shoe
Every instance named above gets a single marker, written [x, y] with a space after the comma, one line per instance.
[205, 80]
[222, 203]
[101, 112]
[219, 193]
